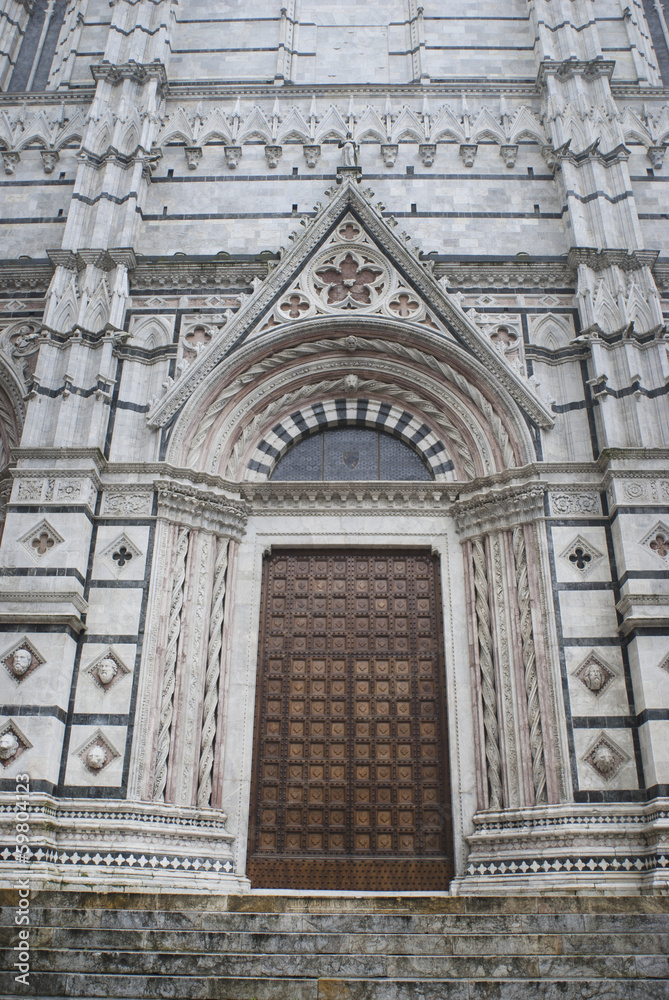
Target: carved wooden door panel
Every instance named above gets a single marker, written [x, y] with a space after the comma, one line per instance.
[350, 779]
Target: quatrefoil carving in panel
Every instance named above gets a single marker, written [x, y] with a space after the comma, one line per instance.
[657, 542]
[581, 555]
[41, 540]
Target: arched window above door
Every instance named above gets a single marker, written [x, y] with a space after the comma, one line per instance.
[350, 453]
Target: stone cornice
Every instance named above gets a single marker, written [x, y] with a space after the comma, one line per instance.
[599, 260]
[590, 69]
[137, 72]
[353, 497]
[206, 511]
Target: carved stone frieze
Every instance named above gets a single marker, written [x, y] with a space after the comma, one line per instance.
[130, 501]
[367, 498]
[559, 845]
[54, 488]
[579, 502]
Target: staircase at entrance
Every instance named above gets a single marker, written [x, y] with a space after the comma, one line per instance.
[296, 947]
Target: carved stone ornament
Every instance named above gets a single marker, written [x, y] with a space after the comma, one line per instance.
[273, 155]
[97, 753]
[323, 246]
[575, 503]
[121, 555]
[128, 503]
[498, 510]
[13, 743]
[427, 152]
[22, 659]
[656, 156]
[50, 158]
[664, 663]
[196, 508]
[581, 555]
[595, 674]
[107, 669]
[509, 155]
[312, 154]
[10, 161]
[605, 757]
[389, 152]
[193, 156]
[41, 540]
[468, 151]
[233, 155]
[657, 542]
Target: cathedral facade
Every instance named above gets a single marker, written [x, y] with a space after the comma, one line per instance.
[334, 440]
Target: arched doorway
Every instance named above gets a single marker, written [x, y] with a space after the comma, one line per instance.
[350, 783]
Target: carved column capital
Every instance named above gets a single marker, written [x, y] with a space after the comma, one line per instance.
[498, 510]
[205, 510]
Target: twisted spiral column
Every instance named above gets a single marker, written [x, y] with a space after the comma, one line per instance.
[530, 668]
[169, 673]
[212, 674]
[487, 669]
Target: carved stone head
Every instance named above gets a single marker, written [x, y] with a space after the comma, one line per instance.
[106, 670]
[312, 154]
[594, 676]
[233, 155]
[9, 745]
[96, 758]
[22, 662]
[604, 759]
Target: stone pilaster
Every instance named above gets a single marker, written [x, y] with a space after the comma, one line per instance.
[190, 668]
[14, 16]
[508, 663]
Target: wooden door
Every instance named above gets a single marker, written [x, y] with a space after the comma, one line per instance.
[350, 778]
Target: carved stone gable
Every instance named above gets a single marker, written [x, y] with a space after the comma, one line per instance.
[349, 263]
[350, 275]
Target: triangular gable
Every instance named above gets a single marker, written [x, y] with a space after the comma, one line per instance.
[349, 264]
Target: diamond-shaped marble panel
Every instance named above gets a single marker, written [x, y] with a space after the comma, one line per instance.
[97, 752]
[595, 674]
[22, 659]
[107, 669]
[605, 757]
[121, 554]
[41, 540]
[13, 743]
[581, 555]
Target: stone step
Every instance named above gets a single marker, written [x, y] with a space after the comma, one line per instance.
[386, 966]
[310, 943]
[546, 923]
[51, 986]
[321, 905]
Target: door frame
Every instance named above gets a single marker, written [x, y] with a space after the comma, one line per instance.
[242, 627]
